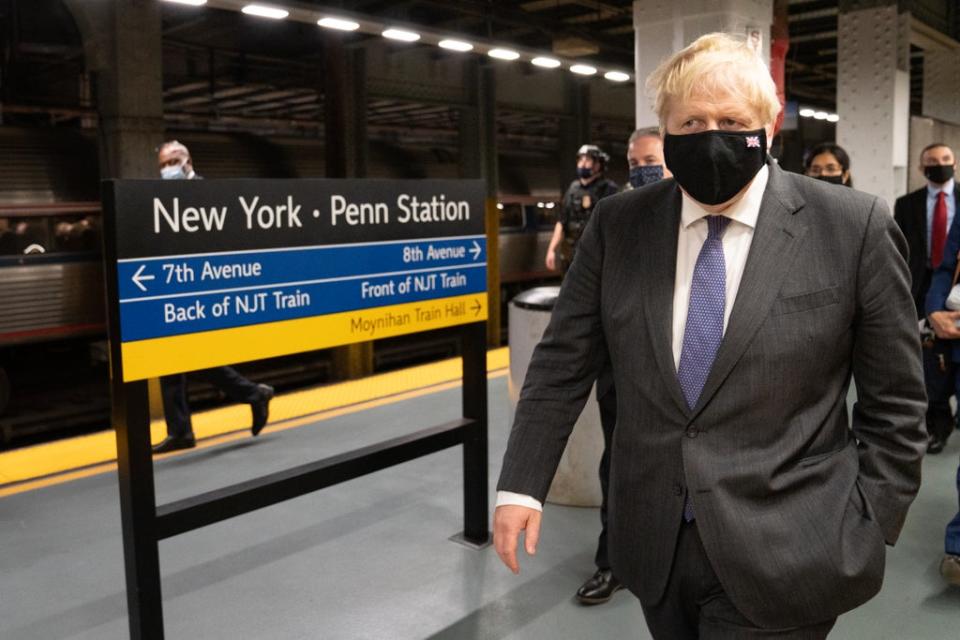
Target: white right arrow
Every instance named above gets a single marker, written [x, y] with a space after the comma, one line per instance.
[138, 277]
[476, 250]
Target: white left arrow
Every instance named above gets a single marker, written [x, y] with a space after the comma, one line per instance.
[138, 277]
[476, 250]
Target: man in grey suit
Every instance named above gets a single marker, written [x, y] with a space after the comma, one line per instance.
[736, 301]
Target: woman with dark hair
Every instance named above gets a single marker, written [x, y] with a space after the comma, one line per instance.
[828, 162]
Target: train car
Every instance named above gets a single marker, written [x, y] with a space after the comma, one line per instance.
[526, 225]
[51, 282]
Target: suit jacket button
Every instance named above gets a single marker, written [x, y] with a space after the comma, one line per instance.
[693, 432]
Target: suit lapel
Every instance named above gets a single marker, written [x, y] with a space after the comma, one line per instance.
[657, 251]
[775, 240]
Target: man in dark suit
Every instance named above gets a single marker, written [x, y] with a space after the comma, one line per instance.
[742, 501]
[175, 163]
[925, 217]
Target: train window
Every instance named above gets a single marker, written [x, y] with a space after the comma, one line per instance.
[547, 216]
[19, 236]
[75, 233]
[511, 216]
[22, 235]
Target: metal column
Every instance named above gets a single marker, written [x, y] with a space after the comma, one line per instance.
[345, 143]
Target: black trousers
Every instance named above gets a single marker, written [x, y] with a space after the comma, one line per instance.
[174, 390]
[940, 378]
[695, 606]
[608, 420]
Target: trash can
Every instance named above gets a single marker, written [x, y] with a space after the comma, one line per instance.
[577, 482]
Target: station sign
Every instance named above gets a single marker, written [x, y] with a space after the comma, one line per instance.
[214, 272]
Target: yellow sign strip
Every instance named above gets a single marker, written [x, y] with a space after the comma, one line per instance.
[88, 455]
[161, 356]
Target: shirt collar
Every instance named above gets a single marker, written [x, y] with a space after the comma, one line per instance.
[745, 211]
[947, 188]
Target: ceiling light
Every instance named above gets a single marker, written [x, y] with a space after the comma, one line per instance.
[550, 205]
[503, 54]
[583, 69]
[192, 3]
[500, 206]
[455, 45]
[806, 113]
[401, 35]
[617, 76]
[833, 117]
[339, 24]
[546, 63]
[820, 115]
[540, 205]
[264, 11]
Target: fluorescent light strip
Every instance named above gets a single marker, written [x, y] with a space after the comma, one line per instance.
[401, 35]
[455, 45]
[192, 3]
[616, 76]
[263, 11]
[583, 69]
[806, 113]
[338, 23]
[503, 54]
[820, 115]
[833, 118]
[546, 63]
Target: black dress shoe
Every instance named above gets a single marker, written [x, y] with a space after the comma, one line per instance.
[936, 444]
[599, 588]
[174, 443]
[261, 408]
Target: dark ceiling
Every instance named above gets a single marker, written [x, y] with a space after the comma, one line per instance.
[259, 74]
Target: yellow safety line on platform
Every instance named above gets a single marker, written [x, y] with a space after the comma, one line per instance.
[83, 456]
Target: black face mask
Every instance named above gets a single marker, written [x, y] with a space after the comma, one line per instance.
[640, 176]
[831, 179]
[584, 173]
[713, 166]
[938, 173]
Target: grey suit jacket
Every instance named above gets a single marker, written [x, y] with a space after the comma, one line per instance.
[793, 503]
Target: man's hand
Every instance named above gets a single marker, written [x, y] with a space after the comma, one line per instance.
[508, 521]
[551, 260]
[944, 324]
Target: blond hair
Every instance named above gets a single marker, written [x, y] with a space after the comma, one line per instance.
[716, 64]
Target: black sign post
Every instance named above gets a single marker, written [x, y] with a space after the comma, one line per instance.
[207, 273]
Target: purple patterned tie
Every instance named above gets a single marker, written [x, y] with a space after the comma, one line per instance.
[704, 330]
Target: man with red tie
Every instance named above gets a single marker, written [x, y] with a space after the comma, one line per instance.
[925, 216]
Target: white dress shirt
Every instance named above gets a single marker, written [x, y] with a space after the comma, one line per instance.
[693, 233]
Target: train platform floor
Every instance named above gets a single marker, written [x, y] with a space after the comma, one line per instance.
[370, 558]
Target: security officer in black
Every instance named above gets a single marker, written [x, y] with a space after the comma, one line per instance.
[578, 203]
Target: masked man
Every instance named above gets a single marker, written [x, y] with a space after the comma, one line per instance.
[579, 201]
[735, 300]
[175, 163]
[645, 158]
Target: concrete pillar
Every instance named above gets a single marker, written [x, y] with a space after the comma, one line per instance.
[873, 94]
[344, 80]
[122, 44]
[123, 52]
[941, 88]
[663, 27]
[478, 159]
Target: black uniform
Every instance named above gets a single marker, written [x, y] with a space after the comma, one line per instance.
[578, 203]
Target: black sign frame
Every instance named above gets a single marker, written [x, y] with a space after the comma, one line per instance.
[145, 523]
